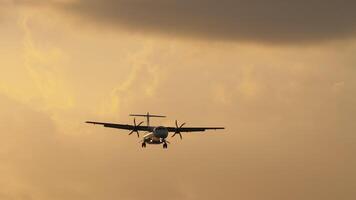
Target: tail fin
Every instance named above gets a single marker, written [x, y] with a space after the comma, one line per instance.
[148, 116]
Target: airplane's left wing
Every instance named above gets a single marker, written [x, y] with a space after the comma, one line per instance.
[193, 129]
[121, 126]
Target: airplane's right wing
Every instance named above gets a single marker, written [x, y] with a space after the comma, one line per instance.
[193, 129]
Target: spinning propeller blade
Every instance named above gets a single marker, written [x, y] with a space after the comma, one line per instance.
[135, 128]
[177, 131]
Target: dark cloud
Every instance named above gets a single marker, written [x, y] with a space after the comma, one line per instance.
[254, 20]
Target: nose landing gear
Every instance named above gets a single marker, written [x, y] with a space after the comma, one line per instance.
[165, 145]
[143, 144]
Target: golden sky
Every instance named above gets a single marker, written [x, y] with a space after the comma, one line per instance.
[280, 76]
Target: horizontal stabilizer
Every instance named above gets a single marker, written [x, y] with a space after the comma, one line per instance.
[145, 115]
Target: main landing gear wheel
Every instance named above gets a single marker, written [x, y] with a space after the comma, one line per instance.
[165, 146]
[143, 145]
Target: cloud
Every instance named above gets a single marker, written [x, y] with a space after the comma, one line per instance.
[276, 21]
[141, 81]
[41, 65]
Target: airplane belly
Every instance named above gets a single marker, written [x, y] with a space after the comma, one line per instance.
[152, 139]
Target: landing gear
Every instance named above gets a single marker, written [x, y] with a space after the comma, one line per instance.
[165, 145]
[143, 144]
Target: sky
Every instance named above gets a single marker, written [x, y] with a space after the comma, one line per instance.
[279, 75]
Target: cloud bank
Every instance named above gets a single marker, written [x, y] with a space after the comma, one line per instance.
[257, 20]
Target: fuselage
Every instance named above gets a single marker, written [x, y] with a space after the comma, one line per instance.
[157, 136]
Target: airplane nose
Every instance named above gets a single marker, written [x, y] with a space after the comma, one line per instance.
[165, 133]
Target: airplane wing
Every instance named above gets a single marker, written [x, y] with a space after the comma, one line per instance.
[121, 126]
[193, 129]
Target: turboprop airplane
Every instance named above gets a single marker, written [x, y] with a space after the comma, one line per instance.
[154, 134]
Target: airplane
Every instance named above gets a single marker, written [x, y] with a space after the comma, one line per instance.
[155, 134]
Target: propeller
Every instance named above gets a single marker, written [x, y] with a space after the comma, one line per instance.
[135, 128]
[177, 131]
